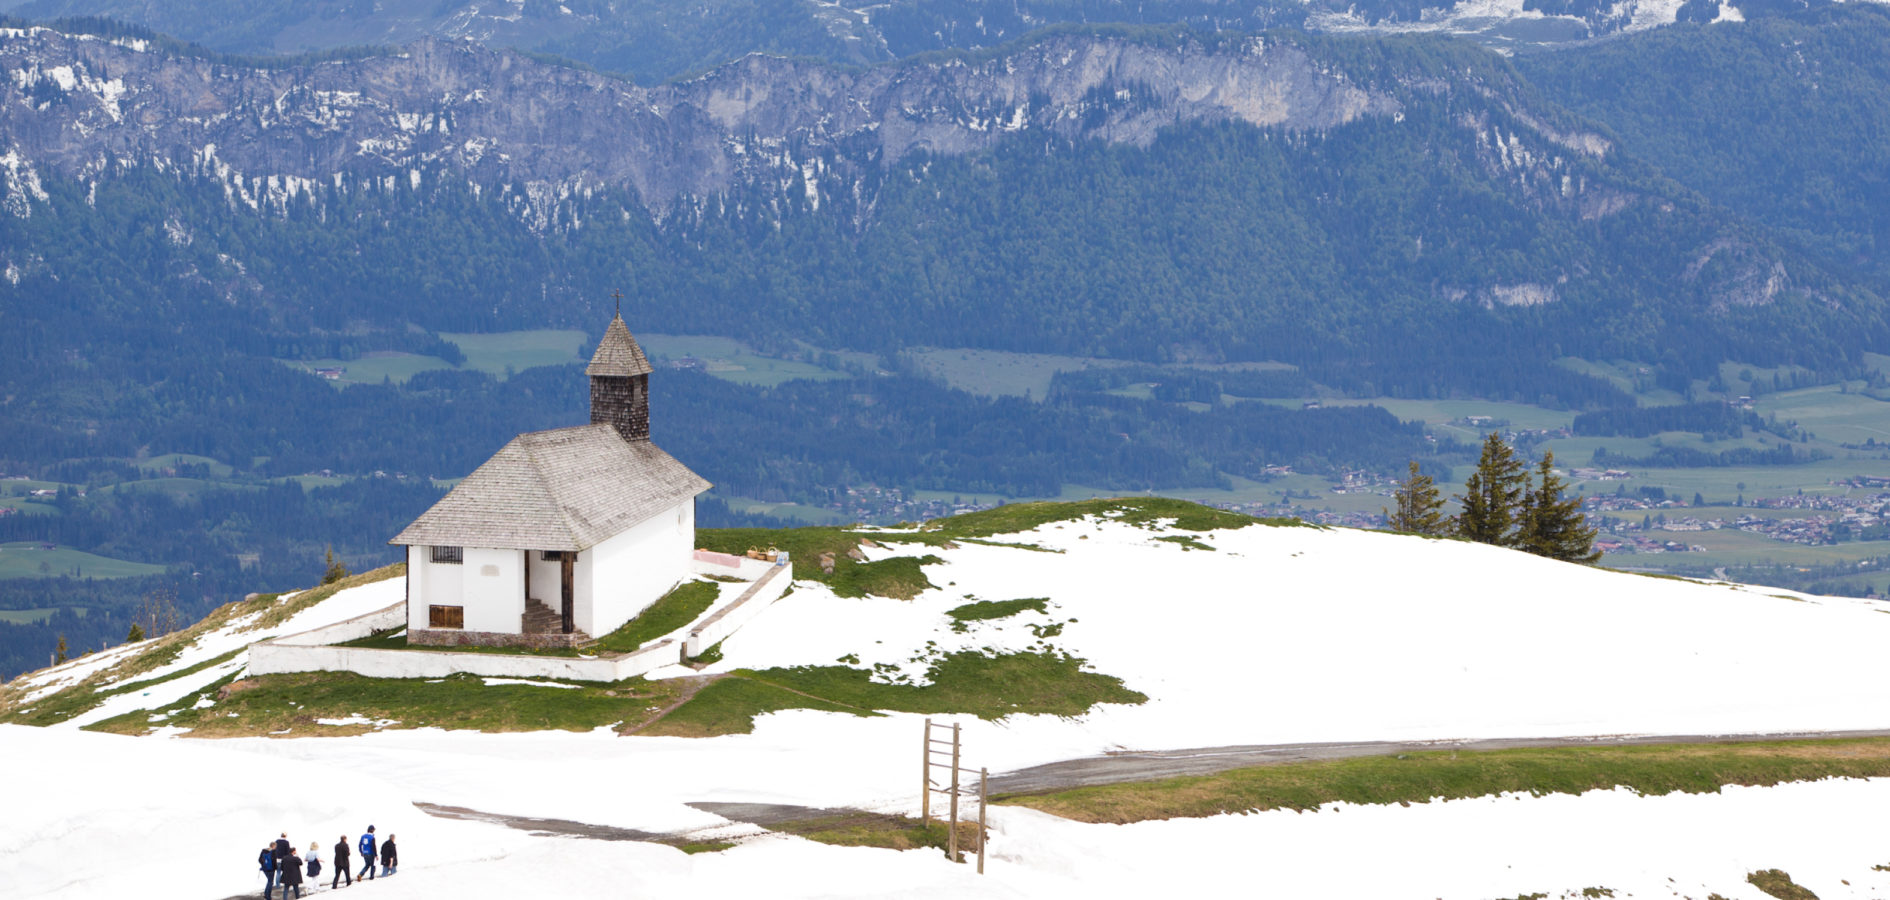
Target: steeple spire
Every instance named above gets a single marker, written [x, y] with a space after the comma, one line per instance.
[618, 354]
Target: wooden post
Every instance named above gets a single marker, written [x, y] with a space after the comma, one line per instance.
[925, 776]
[953, 839]
[984, 777]
[567, 574]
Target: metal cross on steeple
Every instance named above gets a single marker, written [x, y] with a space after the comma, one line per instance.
[618, 296]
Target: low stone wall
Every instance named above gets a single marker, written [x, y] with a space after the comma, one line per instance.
[454, 637]
[349, 629]
[274, 657]
[709, 562]
[314, 650]
[723, 622]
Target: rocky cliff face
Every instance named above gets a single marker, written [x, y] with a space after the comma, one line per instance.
[83, 107]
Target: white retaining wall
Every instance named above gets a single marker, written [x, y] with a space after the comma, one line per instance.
[313, 650]
[709, 562]
[347, 629]
[279, 656]
[724, 622]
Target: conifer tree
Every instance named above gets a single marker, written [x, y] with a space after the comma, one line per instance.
[1420, 507]
[1553, 526]
[59, 652]
[1493, 495]
[337, 570]
[135, 635]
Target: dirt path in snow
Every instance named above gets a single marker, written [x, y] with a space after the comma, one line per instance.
[559, 827]
[1121, 766]
[1147, 765]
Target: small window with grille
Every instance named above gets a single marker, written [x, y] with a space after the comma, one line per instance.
[454, 555]
[551, 555]
[446, 617]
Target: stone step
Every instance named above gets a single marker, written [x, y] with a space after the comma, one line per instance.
[540, 619]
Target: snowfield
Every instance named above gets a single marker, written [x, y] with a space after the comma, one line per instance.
[1274, 635]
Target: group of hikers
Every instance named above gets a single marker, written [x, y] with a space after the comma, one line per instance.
[282, 865]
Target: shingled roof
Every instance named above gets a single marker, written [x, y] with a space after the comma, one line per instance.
[565, 489]
[618, 354]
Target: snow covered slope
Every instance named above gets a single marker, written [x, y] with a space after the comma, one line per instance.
[1270, 634]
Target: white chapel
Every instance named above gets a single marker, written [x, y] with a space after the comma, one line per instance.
[562, 534]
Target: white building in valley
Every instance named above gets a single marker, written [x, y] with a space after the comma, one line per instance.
[562, 534]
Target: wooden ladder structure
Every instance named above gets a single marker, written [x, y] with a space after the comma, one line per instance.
[952, 750]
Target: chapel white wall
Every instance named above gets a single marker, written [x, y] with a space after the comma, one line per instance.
[430, 583]
[628, 572]
[494, 589]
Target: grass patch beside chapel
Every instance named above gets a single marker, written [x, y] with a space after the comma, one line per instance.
[673, 610]
[292, 705]
[989, 687]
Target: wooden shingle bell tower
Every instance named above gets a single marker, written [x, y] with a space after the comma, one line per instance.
[620, 383]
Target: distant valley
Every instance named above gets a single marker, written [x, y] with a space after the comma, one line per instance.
[1257, 270]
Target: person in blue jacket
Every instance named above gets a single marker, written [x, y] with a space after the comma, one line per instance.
[368, 855]
[267, 861]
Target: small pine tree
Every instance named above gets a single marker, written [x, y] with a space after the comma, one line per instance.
[1552, 525]
[337, 570]
[1420, 507]
[135, 635]
[1493, 495]
[59, 652]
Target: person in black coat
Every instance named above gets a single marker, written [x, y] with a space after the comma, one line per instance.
[289, 875]
[341, 863]
[390, 858]
[266, 860]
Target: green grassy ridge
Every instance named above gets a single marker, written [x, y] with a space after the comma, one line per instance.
[1779, 884]
[899, 576]
[902, 576]
[987, 686]
[864, 829]
[730, 705]
[1653, 769]
[1014, 518]
[996, 609]
[269, 704]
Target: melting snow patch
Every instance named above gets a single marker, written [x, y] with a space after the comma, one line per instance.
[497, 681]
[358, 719]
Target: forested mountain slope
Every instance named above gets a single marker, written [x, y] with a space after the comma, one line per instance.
[1784, 120]
[1155, 195]
[657, 40]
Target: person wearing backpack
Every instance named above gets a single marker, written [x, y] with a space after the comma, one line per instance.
[367, 855]
[341, 863]
[390, 858]
[289, 874]
[267, 862]
[314, 865]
